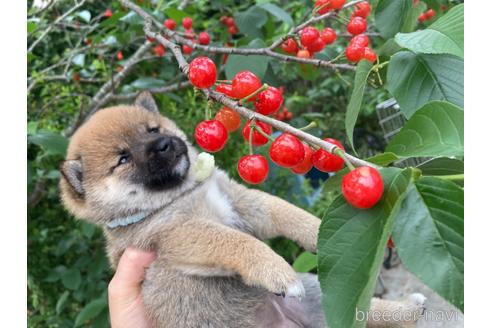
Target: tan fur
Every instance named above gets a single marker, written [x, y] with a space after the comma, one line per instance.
[212, 268]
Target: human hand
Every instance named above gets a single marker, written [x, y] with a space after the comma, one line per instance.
[126, 307]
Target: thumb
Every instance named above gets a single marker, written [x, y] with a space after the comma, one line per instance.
[125, 285]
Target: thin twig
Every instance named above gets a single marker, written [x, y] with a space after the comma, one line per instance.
[59, 19]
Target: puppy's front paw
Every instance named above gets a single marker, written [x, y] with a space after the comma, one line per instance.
[296, 290]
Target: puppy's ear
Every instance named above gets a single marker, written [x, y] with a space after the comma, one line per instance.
[146, 101]
[72, 172]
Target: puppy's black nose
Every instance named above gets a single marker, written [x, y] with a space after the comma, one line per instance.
[162, 146]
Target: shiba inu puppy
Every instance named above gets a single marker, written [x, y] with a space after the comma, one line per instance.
[128, 169]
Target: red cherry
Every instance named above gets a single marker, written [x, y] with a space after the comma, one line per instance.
[308, 35]
[202, 72]
[326, 4]
[316, 46]
[230, 21]
[328, 35]
[303, 54]
[390, 243]
[370, 55]
[119, 55]
[150, 39]
[187, 50]
[224, 88]
[269, 101]
[159, 50]
[415, 2]
[211, 135]
[357, 25]
[257, 138]
[187, 22]
[287, 151]
[361, 39]
[223, 19]
[88, 41]
[204, 38]
[108, 13]
[230, 119]
[232, 30]
[337, 4]
[429, 14]
[306, 165]
[244, 84]
[354, 52]
[327, 162]
[363, 187]
[362, 9]
[253, 168]
[290, 46]
[422, 18]
[170, 24]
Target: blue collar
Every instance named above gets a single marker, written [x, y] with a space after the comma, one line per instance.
[123, 222]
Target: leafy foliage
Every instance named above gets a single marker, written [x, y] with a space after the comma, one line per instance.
[423, 70]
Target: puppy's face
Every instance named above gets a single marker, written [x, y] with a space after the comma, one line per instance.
[125, 159]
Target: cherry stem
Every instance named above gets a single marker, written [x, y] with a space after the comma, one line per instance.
[251, 127]
[208, 112]
[316, 9]
[341, 153]
[260, 89]
[340, 55]
[260, 131]
[223, 81]
[309, 126]
[451, 177]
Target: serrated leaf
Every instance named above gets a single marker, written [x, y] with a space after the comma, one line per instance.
[416, 79]
[255, 64]
[52, 143]
[71, 278]
[351, 246]
[147, 83]
[62, 301]
[389, 48]
[90, 311]
[305, 262]
[391, 16]
[250, 21]
[436, 129]
[445, 36]
[429, 236]
[132, 18]
[361, 74]
[175, 13]
[85, 15]
[278, 12]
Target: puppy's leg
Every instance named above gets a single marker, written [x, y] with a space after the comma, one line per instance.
[396, 314]
[271, 217]
[200, 247]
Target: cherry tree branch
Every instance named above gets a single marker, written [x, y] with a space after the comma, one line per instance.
[231, 103]
[266, 51]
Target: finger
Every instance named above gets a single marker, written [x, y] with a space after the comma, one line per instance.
[130, 273]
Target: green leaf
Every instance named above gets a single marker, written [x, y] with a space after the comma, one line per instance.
[442, 166]
[412, 21]
[132, 18]
[416, 79]
[147, 83]
[445, 36]
[250, 21]
[351, 245]
[175, 13]
[62, 302]
[52, 143]
[436, 129]
[79, 60]
[31, 27]
[428, 236]
[88, 229]
[305, 262]
[85, 15]
[256, 64]
[71, 279]
[278, 12]
[90, 311]
[391, 16]
[389, 48]
[353, 108]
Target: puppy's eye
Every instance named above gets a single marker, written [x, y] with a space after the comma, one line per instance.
[153, 130]
[124, 158]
